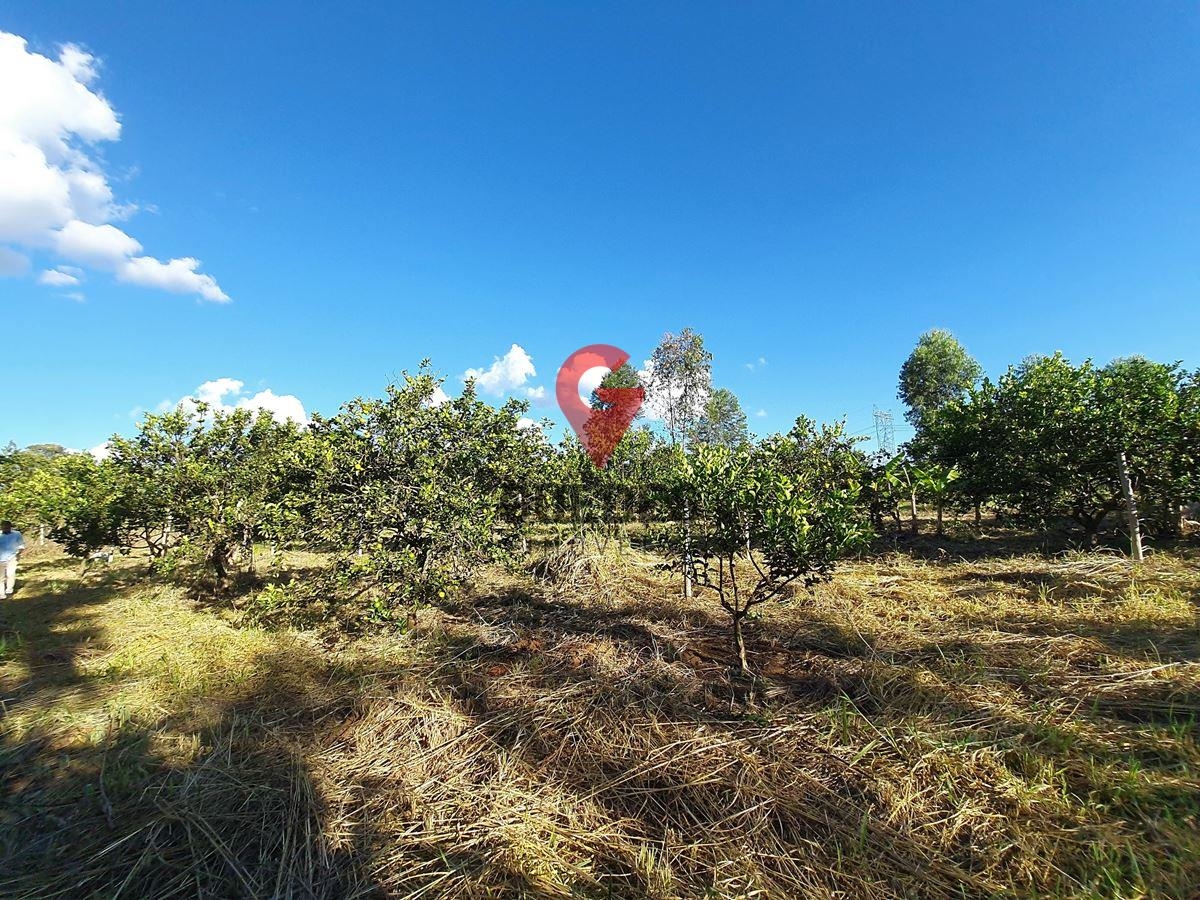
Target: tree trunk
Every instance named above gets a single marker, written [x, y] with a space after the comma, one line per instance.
[742, 667]
[912, 512]
[220, 564]
[1131, 512]
[978, 515]
[248, 545]
[687, 550]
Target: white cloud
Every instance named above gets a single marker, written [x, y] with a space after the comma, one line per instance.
[537, 393]
[227, 394]
[760, 363]
[439, 397]
[213, 392]
[507, 372]
[526, 422]
[284, 408]
[74, 295]
[102, 246]
[179, 276]
[58, 278]
[80, 63]
[55, 196]
[761, 414]
[12, 263]
[101, 452]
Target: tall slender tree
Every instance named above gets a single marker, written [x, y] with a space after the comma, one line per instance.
[679, 383]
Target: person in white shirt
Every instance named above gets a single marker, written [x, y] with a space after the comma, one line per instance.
[12, 545]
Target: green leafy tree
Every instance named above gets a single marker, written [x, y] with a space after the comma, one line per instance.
[200, 484]
[1147, 406]
[966, 435]
[723, 422]
[938, 371]
[624, 376]
[412, 495]
[1044, 440]
[79, 503]
[759, 531]
[18, 498]
[608, 499]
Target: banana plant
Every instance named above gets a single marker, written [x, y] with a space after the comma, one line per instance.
[934, 481]
[901, 476]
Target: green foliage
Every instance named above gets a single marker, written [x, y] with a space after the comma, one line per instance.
[624, 491]
[757, 530]
[723, 423]
[1044, 440]
[410, 495]
[624, 376]
[202, 485]
[938, 371]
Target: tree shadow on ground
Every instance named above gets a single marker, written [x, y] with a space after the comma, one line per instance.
[212, 800]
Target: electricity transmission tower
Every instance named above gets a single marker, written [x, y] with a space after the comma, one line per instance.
[884, 432]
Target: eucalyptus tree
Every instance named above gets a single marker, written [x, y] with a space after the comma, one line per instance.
[678, 384]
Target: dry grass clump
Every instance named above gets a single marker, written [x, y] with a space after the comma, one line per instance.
[590, 567]
[920, 728]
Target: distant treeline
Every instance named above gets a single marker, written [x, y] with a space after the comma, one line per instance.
[407, 495]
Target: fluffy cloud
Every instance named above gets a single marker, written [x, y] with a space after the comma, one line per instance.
[102, 246]
[759, 364]
[63, 276]
[179, 276]
[55, 196]
[227, 394]
[761, 414]
[506, 374]
[283, 407]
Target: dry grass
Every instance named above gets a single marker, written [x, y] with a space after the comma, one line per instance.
[942, 728]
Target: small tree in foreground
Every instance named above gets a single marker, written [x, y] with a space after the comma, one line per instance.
[757, 531]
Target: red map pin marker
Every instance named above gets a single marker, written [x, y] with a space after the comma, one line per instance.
[599, 430]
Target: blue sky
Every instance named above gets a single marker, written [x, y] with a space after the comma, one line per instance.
[809, 184]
